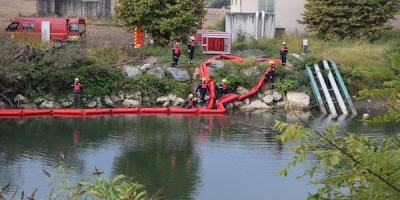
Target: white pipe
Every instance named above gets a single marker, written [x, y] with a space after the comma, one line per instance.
[257, 15]
[335, 88]
[328, 97]
[262, 23]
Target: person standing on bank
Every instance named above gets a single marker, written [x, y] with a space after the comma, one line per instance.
[77, 89]
[176, 53]
[283, 53]
[203, 88]
[191, 46]
[222, 88]
[270, 74]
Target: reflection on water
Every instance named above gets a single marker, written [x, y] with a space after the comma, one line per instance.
[234, 156]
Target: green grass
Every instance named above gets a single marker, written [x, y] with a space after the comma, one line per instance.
[111, 22]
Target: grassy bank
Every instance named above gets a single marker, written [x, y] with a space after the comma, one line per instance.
[35, 69]
[357, 59]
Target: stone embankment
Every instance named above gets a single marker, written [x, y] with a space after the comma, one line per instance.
[262, 100]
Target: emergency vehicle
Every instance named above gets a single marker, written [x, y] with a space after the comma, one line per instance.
[48, 29]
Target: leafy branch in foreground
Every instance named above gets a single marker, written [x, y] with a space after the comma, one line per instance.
[92, 187]
[368, 168]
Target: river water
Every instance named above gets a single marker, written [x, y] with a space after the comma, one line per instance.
[232, 156]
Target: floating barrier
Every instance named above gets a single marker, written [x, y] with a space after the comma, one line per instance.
[202, 69]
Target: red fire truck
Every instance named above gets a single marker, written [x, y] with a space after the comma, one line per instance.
[48, 29]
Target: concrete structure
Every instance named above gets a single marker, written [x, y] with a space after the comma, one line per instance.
[94, 9]
[250, 25]
[283, 13]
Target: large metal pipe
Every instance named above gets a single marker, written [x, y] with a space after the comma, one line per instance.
[335, 88]
[262, 23]
[328, 97]
[257, 15]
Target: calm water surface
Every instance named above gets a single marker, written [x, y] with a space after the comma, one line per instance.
[233, 156]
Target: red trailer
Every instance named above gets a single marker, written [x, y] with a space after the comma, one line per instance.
[48, 29]
[214, 42]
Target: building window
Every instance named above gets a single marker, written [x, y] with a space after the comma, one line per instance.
[268, 6]
[28, 26]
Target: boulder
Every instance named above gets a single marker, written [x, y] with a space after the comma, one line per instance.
[178, 74]
[38, 100]
[258, 53]
[299, 99]
[246, 101]
[280, 105]
[49, 97]
[66, 103]
[256, 105]
[242, 90]
[178, 102]
[2, 104]
[131, 72]
[28, 106]
[137, 95]
[117, 98]
[92, 104]
[252, 72]
[163, 99]
[152, 60]
[19, 99]
[229, 106]
[108, 101]
[211, 71]
[238, 104]
[146, 67]
[277, 95]
[268, 99]
[196, 75]
[219, 64]
[49, 105]
[129, 103]
[157, 72]
[166, 104]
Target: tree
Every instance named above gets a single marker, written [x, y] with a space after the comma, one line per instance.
[162, 20]
[368, 168]
[338, 19]
[220, 3]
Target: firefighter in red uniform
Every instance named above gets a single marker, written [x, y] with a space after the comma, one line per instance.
[203, 88]
[189, 103]
[283, 53]
[222, 88]
[270, 74]
[78, 91]
[191, 46]
[176, 53]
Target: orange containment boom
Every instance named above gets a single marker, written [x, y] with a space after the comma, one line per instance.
[202, 69]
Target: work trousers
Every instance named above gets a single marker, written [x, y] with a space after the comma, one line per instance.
[77, 100]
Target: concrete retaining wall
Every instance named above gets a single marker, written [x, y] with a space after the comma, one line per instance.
[94, 9]
[247, 24]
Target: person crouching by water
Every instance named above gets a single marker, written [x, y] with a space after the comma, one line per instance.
[189, 103]
[77, 89]
[203, 88]
[222, 88]
[270, 73]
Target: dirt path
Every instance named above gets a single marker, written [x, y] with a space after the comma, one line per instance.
[9, 9]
